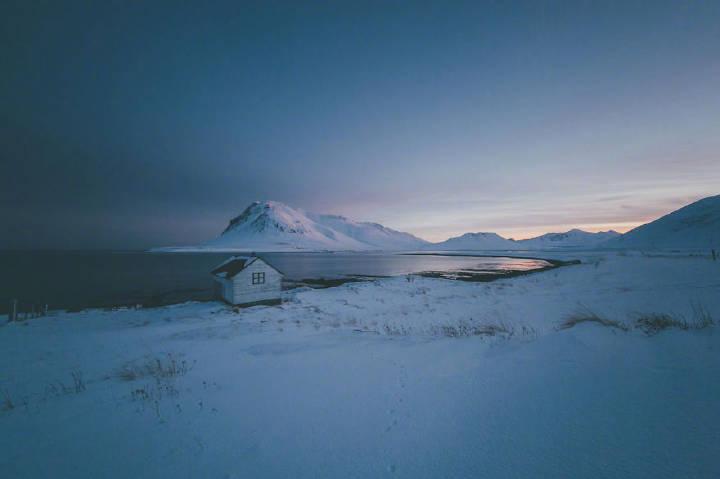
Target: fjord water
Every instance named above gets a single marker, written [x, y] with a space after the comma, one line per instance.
[82, 279]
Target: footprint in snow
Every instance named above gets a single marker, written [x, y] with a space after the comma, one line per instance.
[391, 426]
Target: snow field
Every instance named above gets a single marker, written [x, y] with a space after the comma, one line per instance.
[372, 380]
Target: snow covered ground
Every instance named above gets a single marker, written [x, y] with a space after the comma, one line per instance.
[398, 377]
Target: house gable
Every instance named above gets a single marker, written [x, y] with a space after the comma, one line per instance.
[236, 278]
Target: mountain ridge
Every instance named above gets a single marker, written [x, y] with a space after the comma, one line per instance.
[574, 238]
[274, 226]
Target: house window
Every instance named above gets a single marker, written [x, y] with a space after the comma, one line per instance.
[258, 278]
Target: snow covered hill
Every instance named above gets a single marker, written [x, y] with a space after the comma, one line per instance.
[475, 241]
[274, 226]
[574, 238]
[695, 226]
[373, 234]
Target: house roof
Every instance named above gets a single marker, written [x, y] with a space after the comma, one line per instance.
[233, 265]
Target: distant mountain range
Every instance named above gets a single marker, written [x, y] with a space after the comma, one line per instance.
[274, 226]
[492, 241]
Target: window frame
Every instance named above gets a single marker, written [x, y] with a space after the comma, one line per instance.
[258, 277]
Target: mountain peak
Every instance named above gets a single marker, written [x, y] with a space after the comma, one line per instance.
[264, 215]
[274, 226]
[476, 241]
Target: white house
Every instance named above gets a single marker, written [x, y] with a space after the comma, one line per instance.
[247, 279]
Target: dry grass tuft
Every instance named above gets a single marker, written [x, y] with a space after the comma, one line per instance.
[653, 323]
[701, 317]
[586, 315]
[78, 381]
[460, 329]
[158, 368]
[464, 329]
[7, 403]
[396, 330]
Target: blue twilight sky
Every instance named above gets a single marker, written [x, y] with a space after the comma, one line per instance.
[134, 124]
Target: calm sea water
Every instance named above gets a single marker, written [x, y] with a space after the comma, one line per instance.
[72, 280]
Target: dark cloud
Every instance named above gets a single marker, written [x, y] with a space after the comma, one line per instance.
[135, 124]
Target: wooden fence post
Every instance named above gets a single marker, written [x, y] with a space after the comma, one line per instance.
[12, 314]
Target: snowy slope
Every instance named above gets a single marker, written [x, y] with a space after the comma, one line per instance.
[696, 226]
[274, 226]
[475, 241]
[574, 238]
[373, 234]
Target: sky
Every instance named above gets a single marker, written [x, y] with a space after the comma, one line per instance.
[138, 124]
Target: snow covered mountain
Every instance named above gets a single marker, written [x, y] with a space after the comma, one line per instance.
[475, 241]
[492, 241]
[695, 226]
[373, 234]
[274, 226]
[574, 238]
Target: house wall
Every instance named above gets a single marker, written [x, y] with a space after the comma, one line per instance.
[246, 292]
[224, 289]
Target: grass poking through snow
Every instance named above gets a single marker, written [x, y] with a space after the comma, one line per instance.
[586, 315]
[161, 367]
[648, 323]
[653, 323]
[7, 403]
